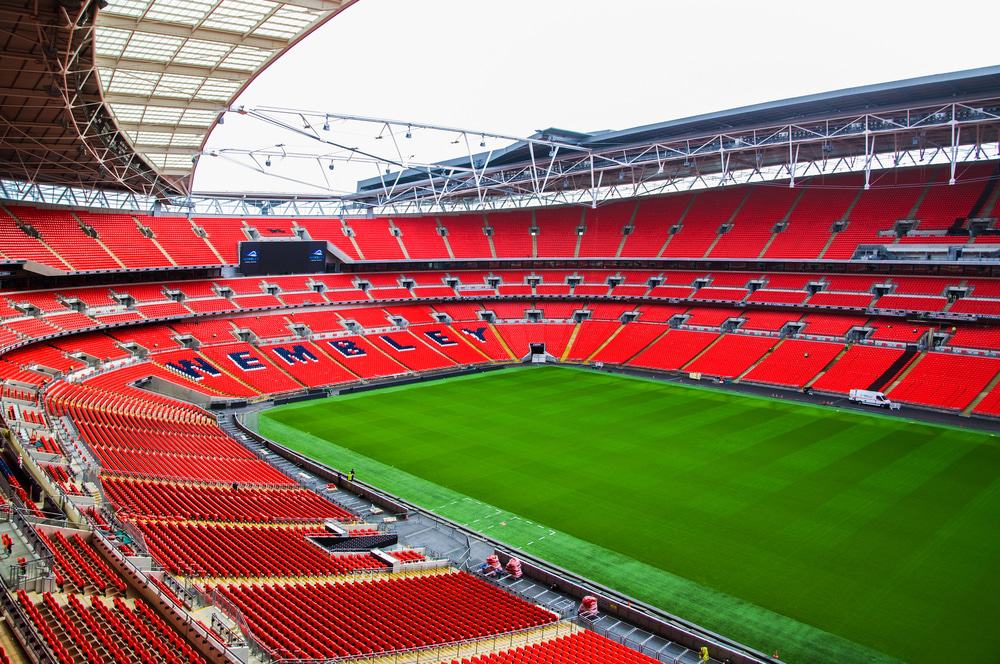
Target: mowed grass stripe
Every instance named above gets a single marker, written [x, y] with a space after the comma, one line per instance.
[851, 525]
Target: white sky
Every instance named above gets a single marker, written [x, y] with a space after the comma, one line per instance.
[516, 66]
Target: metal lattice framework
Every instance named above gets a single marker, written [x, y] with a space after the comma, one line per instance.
[553, 169]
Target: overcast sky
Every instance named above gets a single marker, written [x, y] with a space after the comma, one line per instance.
[516, 66]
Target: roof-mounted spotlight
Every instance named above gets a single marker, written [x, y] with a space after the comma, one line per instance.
[331, 166]
[552, 151]
[482, 141]
[409, 132]
[267, 162]
[326, 124]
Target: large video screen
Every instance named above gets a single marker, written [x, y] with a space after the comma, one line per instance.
[282, 257]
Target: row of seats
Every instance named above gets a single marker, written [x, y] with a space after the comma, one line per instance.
[138, 498]
[583, 647]
[77, 565]
[211, 550]
[77, 633]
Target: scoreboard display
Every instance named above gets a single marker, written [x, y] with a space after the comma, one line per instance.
[282, 257]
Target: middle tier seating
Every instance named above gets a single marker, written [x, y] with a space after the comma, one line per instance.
[162, 499]
[211, 550]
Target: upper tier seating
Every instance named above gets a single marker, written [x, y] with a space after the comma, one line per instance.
[60, 230]
[732, 222]
[512, 234]
[823, 202]
[121, 236]
[603, 230]
[178, 239]
[466, 236]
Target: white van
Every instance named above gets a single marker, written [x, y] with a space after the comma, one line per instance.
[869, 398]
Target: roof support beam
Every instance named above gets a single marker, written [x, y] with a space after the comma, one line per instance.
[318, 5]
[167, 102]
[174, 128]
[104, 62]
[155, 27]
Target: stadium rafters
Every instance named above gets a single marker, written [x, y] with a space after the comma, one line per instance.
[168, 68]
[945, 118]
[560, 167]
[120, 94]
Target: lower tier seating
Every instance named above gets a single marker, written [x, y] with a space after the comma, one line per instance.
[857, 369]
[121, 632]
[326, 620]
[77, 565]
[942, 380]
[794, 362]
[673, 350]
[584, 647]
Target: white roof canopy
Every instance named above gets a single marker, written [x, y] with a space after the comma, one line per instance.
[168, 67]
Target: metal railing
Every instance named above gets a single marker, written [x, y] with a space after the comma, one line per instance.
[24, 628]
[452, 650]
[623, 639]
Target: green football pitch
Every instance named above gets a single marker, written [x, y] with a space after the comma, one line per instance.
[832, 536]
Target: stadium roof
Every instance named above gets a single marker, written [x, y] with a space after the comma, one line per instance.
[925, 92]
[168, 67]
[122, 97]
